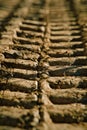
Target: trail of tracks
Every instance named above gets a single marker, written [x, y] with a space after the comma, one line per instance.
[43, 58]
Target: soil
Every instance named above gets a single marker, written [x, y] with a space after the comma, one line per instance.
[43, 65]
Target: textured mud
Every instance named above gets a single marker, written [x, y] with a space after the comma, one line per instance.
[43, 65]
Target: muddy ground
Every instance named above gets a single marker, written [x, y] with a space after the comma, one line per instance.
[43, 65]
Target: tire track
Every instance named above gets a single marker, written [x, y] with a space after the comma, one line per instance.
[43, 74]
[18, 71]
[64, 78]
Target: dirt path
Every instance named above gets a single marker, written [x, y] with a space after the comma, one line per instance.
[43, 65]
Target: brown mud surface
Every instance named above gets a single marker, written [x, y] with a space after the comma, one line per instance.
[43, 65]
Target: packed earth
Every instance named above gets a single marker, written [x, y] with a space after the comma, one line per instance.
[43, 64]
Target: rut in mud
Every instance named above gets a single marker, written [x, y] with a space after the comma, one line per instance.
[43, 64]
